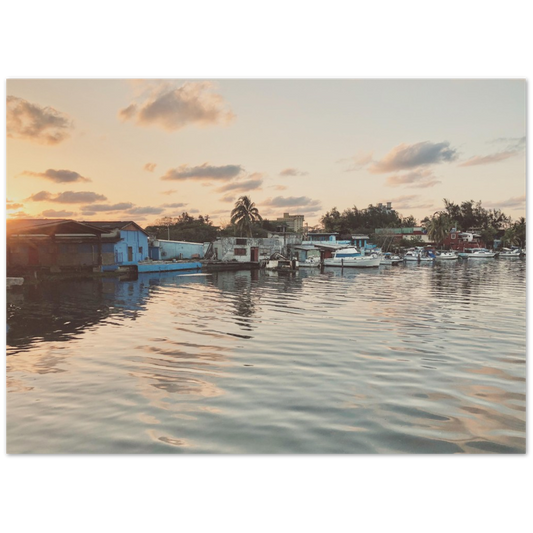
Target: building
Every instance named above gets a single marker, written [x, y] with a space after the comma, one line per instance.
[397, 234]
[459, 240]
[125, 240]
[55, 245]
[165, 250]
[248, 249]
[291, 222]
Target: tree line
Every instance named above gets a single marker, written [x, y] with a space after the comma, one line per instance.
[246, 221]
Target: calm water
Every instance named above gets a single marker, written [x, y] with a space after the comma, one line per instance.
[409, 359]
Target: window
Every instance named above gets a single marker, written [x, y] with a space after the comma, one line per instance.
[140, 250]
[239, 251]
[240, 242]
[453, 235]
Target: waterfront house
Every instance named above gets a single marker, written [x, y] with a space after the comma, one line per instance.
[125, 240]
[459, 240]
[397, 234]
[54, 245]
[248, 249]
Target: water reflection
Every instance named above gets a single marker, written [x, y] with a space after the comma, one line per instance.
[62, 310]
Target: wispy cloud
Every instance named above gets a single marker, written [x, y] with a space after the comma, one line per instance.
[57, 176]
[147, 210]
[169, 192]
[254, 182]
[410, 156]
[516, 202]
[107, 208]
[357, 162]
[67, 197]
[511, 146]
[420, 178]
[293, 172]
[12, 205]
[150, 167]
[301, 203]
[172, 107]
[32, 122]
[174, 205]
[52, 213]
[412, 201]
[203, 172]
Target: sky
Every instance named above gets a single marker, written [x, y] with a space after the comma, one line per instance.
[139, 150]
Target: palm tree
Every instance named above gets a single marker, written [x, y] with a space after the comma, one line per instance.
[245, 214]
[438, 227]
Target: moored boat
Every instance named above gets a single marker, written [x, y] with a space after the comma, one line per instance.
[446, 255]
[477, 253]
[419, 255]
[390, 259]
[511, 252]
[351, 257]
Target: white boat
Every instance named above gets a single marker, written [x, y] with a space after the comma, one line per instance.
[390, 259]
[419, 255]
[446, 255]
[351, 257]
[477, 253]
[310, 262]
[508, 252]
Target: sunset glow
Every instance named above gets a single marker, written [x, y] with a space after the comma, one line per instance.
[140, 150]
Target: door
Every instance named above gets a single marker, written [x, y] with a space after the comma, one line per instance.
[130, 253]
[254, 254]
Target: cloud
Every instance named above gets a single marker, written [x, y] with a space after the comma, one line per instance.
[173, 107]
[301, 203]
[517, 202]
[67, 197]
[20, 214]
[243, 185]
[150, 167]
[148, 210]
[293, 172]
[410, 156]
[203, 172]
[105, 208]
[412, 201]
[169, 192]
[174, 205]
[280, 187]
[358, 161]
[419, 178]
[58, 176]
[32, 122]
[12, 205]
[513, 146]
[52, 213]
[229, 198]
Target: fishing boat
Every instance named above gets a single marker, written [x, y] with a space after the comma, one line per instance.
[477, 253]
[351, 257]
[511, 252]
[390, 259]
[446, 255]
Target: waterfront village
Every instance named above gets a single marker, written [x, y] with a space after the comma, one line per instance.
[41, 248]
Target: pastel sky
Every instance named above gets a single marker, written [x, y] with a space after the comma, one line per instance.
[139, 150]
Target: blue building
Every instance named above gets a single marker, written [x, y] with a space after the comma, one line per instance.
[126, 240]
[165, 250]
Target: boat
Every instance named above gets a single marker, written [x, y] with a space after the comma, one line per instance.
[310, 262]
[511, 252]
[390, 259]
[447, 255]
[351, 257]
[477, 253]
[419, 255]
[280, 263]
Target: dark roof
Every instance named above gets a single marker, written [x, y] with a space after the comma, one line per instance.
[49, 226]
[110, 225]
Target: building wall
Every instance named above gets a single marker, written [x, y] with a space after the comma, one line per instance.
[226, 247]
[138, 241]
[42, 253]
[178, 250]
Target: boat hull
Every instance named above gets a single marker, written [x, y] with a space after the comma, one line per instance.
[355, 262]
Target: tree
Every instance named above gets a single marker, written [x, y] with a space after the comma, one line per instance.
[438, 227]
[244, 215]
